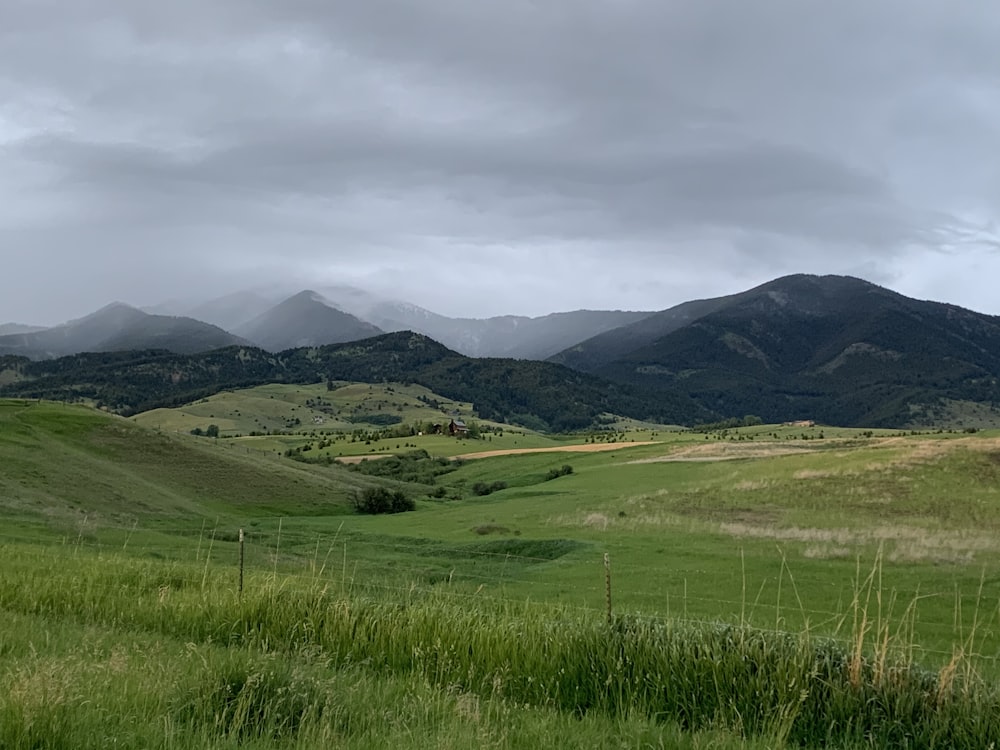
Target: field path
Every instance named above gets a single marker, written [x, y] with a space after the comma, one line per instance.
[362, 457]
[580, 448]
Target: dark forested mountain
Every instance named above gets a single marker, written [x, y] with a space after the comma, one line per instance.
[118, 327]
[591, 354]
[831, 348]
[306, 319]
[540, 394]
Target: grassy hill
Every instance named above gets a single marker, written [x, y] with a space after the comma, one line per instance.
[70, 471]
[391, 417]
[309, 407]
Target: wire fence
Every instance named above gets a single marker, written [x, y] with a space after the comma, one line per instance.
[510, 571]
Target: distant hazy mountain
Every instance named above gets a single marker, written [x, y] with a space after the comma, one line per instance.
[118, 327]
[234, 310]
[831, 348]
[514, 336]
[306, 319]
[6, 329]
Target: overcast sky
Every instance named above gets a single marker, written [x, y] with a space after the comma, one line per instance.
[481, 158]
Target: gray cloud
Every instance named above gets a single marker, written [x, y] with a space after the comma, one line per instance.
[527, 156]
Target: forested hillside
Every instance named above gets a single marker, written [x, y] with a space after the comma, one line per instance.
[542, 395]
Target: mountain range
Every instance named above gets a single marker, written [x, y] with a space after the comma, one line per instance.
[277, 321]
[835, 349]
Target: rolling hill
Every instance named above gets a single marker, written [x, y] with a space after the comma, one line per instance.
[70, 468]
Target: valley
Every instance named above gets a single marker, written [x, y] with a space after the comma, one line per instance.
[880, 543]
[763, 520]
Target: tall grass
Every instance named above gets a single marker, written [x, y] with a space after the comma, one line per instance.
[792, 689]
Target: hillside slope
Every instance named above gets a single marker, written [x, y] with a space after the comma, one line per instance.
[69, 468]
[831, 348]
[540, 394]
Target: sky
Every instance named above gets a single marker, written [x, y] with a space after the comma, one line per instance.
[485, 158]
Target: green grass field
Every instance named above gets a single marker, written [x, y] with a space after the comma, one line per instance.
[276, 418]
[115, 533]
[280, 407]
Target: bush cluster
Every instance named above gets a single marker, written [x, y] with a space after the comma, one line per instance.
[413, 466]
[563, 471]
[486, 488]
[376, 500]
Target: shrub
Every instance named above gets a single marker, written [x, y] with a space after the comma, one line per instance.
[482, 488]
[376, 500]
[565, 470]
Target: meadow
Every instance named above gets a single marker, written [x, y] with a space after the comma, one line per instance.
[770, 586]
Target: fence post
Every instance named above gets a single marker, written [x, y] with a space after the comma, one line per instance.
[241, 564]
[607, 583]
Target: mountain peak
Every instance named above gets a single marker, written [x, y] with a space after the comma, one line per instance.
[306, 318]
[117, 327]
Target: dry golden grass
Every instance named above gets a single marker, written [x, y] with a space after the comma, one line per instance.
[596, 520]
[725, 452]
[905, 543]
[581, 448]
[365, 457]
[748, 485]
[826, 552]
[818, 474]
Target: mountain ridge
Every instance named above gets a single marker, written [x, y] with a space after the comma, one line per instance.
[833, 348]
[117, 327]
[836, 349]
[546, 395]
[304, 319]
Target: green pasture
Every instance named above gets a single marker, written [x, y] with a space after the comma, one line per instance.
[713, 526]
[104, 648]
[888, 542]
[296, 408]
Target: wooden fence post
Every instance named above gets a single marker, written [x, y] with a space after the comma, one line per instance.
[241, 564]
[607, 583]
